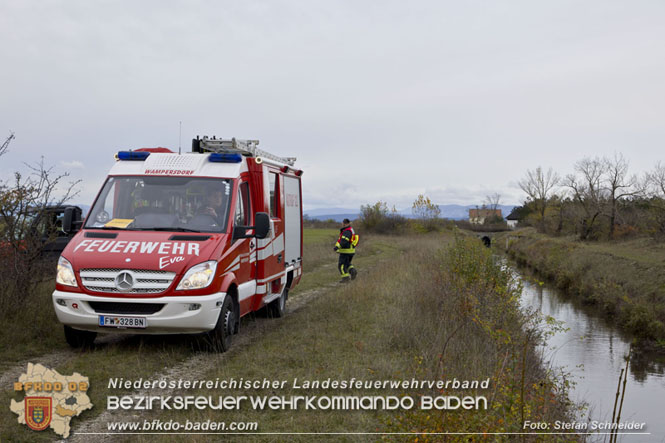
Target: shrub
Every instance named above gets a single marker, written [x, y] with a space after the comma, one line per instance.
[378, 219]
[23, 204]
[426, 212]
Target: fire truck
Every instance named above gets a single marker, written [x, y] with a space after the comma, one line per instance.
[183, 244]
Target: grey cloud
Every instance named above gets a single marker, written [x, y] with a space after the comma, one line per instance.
[387, 98]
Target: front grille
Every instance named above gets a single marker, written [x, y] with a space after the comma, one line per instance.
[103, 307]
[144, 281]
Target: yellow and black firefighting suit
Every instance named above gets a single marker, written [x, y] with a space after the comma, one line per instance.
[346, 247]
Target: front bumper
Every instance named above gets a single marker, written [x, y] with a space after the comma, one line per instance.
[175, 317]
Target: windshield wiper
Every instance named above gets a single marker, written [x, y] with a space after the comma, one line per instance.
[177, 228]
[165, 228]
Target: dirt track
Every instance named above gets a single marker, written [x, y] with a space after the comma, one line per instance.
[195, 367]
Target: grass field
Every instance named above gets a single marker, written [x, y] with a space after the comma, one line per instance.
[426, 307]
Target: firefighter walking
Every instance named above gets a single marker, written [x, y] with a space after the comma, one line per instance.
[346, 248]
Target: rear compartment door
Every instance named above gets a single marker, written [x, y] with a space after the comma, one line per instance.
[292, 220]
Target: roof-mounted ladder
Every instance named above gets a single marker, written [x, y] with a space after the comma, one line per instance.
[248, 148]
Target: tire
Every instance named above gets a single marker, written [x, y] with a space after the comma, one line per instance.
[79, 339]
[221, 336]
[277, 308]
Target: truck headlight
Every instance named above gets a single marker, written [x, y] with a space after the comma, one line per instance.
[65, 275]
[198, 276]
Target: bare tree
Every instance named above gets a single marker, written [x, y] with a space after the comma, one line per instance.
[587, 190]
[22, 201]
[5, 145]
[493, 201]
[539, 187]
[619, 185]
[657, 180]
[654, 185]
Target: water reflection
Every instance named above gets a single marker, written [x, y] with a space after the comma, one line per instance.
[594, 352]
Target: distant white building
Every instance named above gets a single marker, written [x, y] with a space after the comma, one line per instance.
[512, 219]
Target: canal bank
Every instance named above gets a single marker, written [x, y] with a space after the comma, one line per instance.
[592, 353]
[625, 281]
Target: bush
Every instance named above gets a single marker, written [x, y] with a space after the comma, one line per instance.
[313, 223]
[23, 205]
[378, 219]
[465, 224]
[426, 212]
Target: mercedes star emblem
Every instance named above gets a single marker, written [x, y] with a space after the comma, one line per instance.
[124, 281]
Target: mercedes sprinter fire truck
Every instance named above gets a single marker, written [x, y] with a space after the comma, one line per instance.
[183, 243]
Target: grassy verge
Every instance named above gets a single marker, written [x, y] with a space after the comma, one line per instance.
[41, 333]
[424, 307]
[318, 248]
[427, 314]
[31, 330]
[626, 280]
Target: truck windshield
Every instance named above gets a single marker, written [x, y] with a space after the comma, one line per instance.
[162, 204]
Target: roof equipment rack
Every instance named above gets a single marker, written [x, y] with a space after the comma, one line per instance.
[248, 148]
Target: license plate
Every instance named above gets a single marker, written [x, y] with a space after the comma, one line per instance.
[116, 321]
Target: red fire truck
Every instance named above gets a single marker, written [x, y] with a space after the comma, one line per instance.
[183, 243]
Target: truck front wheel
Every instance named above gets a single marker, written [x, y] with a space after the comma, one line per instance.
[79, 339]
[220, 337]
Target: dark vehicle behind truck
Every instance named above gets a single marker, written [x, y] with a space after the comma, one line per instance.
[45, 232]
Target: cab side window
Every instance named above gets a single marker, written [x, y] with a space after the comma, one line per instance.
[273, 182]
[243, 208]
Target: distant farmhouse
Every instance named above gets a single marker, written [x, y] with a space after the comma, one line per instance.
[515, 216]
[512, 219]
[478, 216]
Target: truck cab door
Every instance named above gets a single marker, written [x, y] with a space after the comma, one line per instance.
[246, 250]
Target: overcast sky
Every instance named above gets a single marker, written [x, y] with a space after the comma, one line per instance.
[377, 99]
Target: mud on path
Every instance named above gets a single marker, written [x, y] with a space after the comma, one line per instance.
[193, 368]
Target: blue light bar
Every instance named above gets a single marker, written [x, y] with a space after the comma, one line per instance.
[133, 155]
[225, 158]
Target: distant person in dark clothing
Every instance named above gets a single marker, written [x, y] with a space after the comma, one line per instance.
[346, 248]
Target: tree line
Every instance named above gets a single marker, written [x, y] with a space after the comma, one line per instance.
[600, 199]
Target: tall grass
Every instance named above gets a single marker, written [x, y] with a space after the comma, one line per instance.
[433, 312]
[462, 320]
[31, 328]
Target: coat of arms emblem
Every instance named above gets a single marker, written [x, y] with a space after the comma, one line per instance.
[38, 412]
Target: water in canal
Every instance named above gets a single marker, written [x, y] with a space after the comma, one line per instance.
[593, 351]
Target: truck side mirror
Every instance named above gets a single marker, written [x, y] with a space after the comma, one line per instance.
[261, 225]
[71, 221]
[239, 232]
